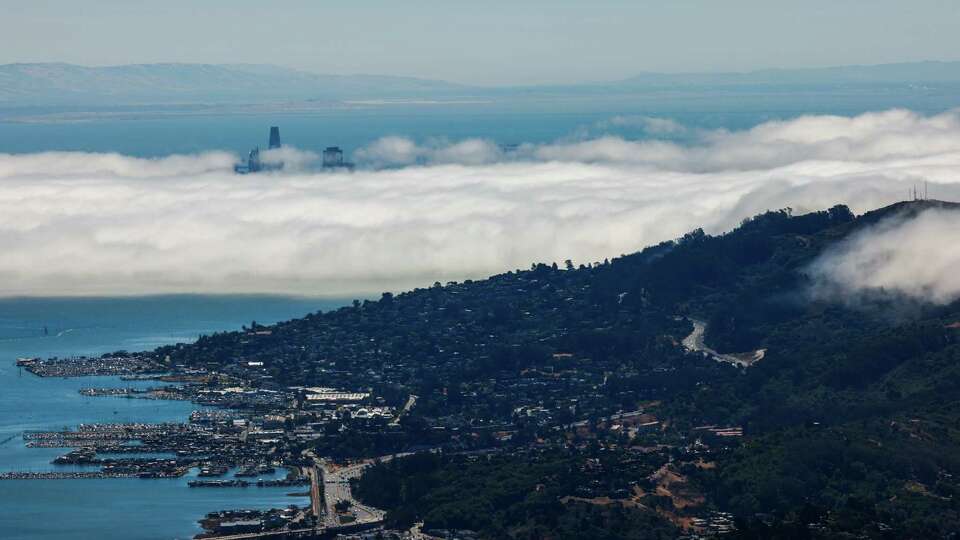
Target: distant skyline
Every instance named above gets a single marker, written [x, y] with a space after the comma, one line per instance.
[489, 43]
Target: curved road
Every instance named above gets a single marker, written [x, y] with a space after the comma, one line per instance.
[695, 343]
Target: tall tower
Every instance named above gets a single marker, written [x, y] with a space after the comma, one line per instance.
[274, 137]
[253, 161]
[333, 157]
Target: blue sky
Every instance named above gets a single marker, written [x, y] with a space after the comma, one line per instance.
[488, 42]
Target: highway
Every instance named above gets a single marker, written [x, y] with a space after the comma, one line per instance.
[305, 533]
[315, 476]
[335, 483]
[411, 401]
[336, 487]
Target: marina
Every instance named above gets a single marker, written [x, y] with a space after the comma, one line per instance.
[85, 366]
[31, 404]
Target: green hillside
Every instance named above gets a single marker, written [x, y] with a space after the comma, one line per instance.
[846, 425]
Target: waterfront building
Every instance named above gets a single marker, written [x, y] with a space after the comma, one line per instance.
[333, 159]
[254, 163]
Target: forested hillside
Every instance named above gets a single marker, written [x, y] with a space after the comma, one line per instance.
[845, 421]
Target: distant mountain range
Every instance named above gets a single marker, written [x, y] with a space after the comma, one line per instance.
[45, 84]
[68, 84]
[905, 73]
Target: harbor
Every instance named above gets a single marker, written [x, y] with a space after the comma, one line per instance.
[29, 403]
[256, 443]
[85, 366]
[223, 436]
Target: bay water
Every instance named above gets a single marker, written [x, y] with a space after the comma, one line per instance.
[112, 508]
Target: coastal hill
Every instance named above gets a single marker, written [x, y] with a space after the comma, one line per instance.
[61, 84]
[792, 412]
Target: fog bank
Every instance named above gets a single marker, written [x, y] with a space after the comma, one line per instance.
[76, 223]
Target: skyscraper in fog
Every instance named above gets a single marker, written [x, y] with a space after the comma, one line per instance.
[333, 157]
[254, 164]
[274, 137]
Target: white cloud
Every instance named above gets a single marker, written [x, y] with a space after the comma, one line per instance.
[389, 151]
[396, 151]
[66, 164]
[869, 137]
[103, 223]
[291, 158]
[649, 124]
[914, 256]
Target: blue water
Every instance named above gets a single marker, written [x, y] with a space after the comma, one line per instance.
[506, 120]
[111, 508]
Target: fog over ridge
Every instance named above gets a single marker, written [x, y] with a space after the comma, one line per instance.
[416, 212]
[913, 256]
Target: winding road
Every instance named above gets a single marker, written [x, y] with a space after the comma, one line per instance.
[695, 343]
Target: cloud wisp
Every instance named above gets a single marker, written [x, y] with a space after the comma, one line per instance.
[913, 256]
[73, 223]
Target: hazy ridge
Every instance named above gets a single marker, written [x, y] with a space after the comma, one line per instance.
[40, 84]
[65, 84]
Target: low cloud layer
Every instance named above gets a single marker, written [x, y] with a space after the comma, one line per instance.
[913, 256]
[400, 151]
[73, 223]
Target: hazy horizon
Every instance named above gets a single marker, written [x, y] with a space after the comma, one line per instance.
[495, 43]
[510, 84]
